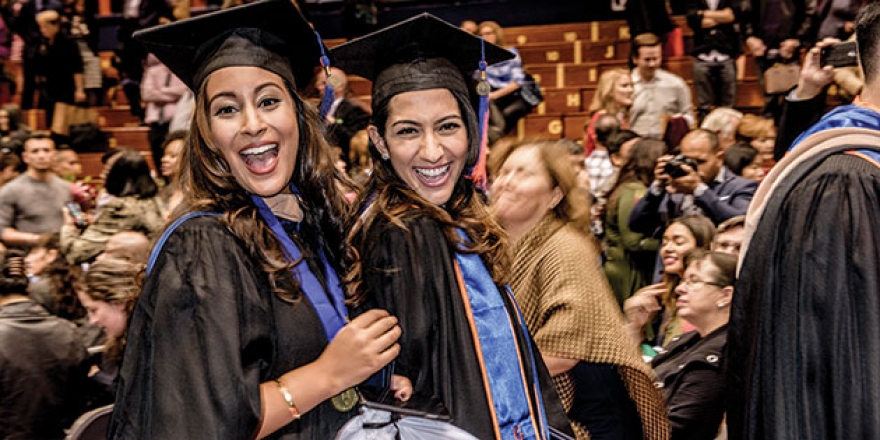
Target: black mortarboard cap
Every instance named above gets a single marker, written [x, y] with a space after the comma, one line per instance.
[421, 53]
[271, 34]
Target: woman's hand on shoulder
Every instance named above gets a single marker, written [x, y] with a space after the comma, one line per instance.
[361, 348]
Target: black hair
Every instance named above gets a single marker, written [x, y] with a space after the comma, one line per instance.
[619, 138]
[738, 156]
[868, 38]
[130, 176]
[109, 153]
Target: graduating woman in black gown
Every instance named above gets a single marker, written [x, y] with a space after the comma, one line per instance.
[425, 246]
[229, 339]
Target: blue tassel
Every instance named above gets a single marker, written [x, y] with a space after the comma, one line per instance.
[479, 174]
[329, 94]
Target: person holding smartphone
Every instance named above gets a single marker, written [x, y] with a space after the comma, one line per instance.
[803, 324]
[804, 105]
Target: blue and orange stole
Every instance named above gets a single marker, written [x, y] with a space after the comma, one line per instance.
[514, 392]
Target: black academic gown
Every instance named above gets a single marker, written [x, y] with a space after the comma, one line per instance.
[206, 331]
[411, 274]
[804, 333]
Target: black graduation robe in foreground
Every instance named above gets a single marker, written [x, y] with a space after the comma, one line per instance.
[206, 331]
[411, 274]
[804, 334]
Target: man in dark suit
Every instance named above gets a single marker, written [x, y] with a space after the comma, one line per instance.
[347, 114]
[709, 189]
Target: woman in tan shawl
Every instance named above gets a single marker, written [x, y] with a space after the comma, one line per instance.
[605, 386]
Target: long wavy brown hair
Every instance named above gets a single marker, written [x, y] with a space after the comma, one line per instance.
[603, 99]
[208, 185]
[703, 231]
[390, 198]
[114, 281]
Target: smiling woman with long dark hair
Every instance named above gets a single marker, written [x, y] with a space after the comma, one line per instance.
[425, 245]
[241, 329]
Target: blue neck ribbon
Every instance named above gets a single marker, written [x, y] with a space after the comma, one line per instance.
[330, 309]
[329, 306]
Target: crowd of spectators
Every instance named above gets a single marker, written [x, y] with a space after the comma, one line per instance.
[624, 265]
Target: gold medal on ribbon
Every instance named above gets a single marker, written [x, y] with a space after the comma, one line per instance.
[483, 88]
[345, 401]
[334, 81]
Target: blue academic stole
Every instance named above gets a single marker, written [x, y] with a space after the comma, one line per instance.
[499, 355]
[844, 116]
[329, 306]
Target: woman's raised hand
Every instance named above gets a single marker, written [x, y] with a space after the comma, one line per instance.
[640, 307]
[643, 304]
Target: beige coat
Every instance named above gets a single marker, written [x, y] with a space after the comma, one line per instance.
[570, 310]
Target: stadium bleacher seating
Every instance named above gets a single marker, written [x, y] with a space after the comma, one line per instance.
[566, 59]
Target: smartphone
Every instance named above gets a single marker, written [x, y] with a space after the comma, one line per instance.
[427, 407]
[78, 217]
[840, 55]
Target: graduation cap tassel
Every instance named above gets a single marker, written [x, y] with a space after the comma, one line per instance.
[479, 174]
[329, 93]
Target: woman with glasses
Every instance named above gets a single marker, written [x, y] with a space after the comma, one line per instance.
[651, 313]
[691, 368]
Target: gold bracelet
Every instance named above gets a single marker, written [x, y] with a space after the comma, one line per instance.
[288, 398]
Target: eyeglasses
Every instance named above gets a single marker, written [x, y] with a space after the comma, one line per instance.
[693, 283]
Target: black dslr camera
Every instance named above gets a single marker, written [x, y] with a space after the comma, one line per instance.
[673, 166]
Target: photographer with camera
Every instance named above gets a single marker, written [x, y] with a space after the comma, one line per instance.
[693, 182]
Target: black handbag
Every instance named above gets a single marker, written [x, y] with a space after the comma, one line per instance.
[87, 137]
[530, 91]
